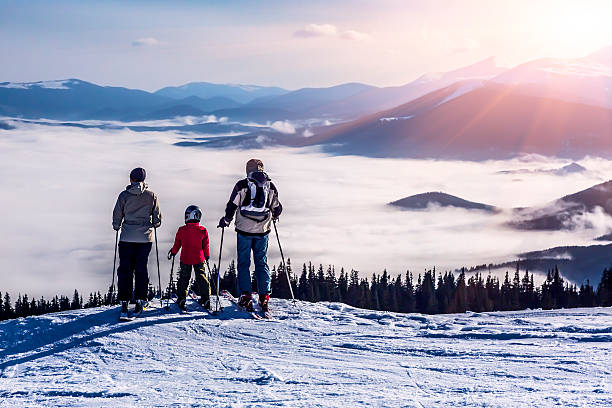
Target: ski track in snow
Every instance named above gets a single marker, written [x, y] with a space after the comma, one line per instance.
[324, 354]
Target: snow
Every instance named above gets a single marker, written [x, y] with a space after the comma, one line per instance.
[324, 354]
[59, 84]
[391, 119]
[463, 89]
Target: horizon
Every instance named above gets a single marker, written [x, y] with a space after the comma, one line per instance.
[125, 44]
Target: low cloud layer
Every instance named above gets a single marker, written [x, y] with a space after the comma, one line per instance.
[145, 42]
[59, 186]
[330, 30]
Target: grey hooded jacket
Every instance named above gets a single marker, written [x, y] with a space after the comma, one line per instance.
[136, 212]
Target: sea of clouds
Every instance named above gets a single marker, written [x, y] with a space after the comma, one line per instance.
[59, 186]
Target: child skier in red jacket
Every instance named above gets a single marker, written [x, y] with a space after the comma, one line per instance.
[193, 239]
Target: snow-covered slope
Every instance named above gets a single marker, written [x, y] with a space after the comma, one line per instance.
[324, 354]
[585, 80]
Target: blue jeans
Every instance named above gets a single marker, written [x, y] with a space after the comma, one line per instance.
[259, 246]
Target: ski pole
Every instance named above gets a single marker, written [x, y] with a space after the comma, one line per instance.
[284, 264]
[158, 272]
[170, 284]
[211, 282]
[219, 269]
[114, 267]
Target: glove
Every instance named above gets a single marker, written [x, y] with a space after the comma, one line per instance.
[170, 254]
[223, 223]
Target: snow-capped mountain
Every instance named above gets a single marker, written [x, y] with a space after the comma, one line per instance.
[312, 355]
[468, 121]
[587, 79]
[57, 84]
[73, 99]
[378, 99]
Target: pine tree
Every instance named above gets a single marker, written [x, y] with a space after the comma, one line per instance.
[515, 297]
[604, 289]
[304, 291]
[506, 293]
[342, 286]
[408, 303]
[321, 284]
[76, 302]
[353, 291]
[425, 295]
[586, 295]
[331, 284]
[229, 281]
[460, 298]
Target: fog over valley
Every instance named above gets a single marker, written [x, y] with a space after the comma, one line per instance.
[60, 184]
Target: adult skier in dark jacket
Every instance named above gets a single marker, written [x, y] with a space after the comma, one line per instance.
[255, 203]
[136, 213]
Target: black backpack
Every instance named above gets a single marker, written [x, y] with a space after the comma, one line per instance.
[255, 204]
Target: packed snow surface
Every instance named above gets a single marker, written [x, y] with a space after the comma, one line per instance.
[324, 354]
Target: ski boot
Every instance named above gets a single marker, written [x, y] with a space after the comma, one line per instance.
[204, 302]
[181, 305]
[246, 302]
[263, 303]
[123, 316]
[139, 307]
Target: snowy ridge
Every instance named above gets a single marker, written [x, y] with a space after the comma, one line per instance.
[58, 84]
[324, 354]
[463, 89]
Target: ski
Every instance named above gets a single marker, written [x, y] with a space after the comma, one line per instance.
[232, 299]
[266, 315]
[207, 310]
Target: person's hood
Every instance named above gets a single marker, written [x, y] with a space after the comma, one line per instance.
[137, 188]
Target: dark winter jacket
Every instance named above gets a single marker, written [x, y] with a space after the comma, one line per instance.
[136, 212]
[247, 226]
[193, 239]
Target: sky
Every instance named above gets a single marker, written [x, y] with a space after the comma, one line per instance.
[292, 44]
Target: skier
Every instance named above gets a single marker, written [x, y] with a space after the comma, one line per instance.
[193, 239]
[136, 213]
[256, 199]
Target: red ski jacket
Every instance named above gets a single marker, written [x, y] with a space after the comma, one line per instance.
[193, 238]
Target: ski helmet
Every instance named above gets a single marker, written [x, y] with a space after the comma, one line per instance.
[193, 214]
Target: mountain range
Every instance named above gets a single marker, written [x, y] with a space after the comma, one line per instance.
[553, 107]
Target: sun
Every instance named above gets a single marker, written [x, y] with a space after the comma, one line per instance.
[571, 28]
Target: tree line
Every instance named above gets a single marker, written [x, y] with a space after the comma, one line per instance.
[431, 292]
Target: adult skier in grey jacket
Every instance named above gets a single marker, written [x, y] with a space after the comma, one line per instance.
[136, 213]
[254, 201]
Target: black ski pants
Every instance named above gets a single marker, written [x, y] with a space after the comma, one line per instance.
[133, 259]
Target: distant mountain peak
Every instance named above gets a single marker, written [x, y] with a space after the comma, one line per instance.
[50, 84]
[437, 198]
